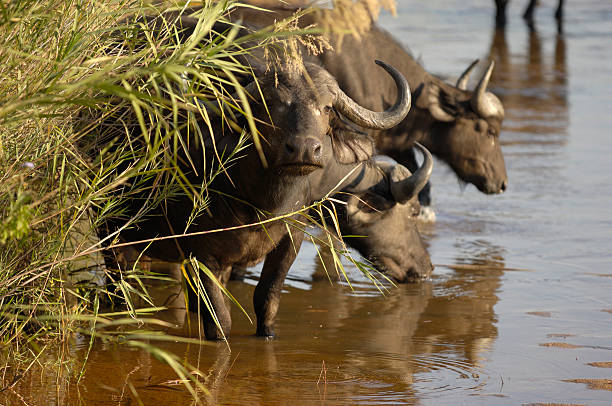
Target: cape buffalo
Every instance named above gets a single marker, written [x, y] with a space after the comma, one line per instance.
[459, 126]
[380, 223]
[306, 162]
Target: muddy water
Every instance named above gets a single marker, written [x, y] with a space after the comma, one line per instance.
[519, 309]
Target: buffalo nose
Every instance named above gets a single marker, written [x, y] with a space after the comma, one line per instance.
[504, 185]
[304, 150]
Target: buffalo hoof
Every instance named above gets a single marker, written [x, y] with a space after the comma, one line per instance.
[215, 335]
[265, 332]
[266, 338]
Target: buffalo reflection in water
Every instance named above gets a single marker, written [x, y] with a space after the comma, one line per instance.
[532, 87]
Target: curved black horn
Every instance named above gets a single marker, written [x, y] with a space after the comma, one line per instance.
[465, 76]
[377, 120]
[486, 104]
[405, 186]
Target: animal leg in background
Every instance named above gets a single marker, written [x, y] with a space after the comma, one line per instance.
[500, 15]
[217, 301]
[268, 291]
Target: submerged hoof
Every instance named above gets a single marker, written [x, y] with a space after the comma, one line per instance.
[215, 336]
[266, 332]
[213, 333]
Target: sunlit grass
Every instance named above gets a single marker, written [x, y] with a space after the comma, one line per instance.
[62, 63]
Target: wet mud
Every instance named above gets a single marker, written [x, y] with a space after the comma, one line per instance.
[560, 345]
[595, 384]
[601, 364]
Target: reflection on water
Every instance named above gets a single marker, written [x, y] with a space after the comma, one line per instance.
[470, 335]
[417, 341]
[533, 88]
[465, 298]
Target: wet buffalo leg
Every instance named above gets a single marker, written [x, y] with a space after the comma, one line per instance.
[267, 293]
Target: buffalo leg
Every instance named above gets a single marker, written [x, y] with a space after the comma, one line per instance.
[115, 263]
[267, 293]
[528, 14]
[238, 273]
[559, 11]
[217, 302]
[500, 12]
[559, 16]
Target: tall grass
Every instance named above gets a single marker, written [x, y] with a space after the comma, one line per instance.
[63, 62]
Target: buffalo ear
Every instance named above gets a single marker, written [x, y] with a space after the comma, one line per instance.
[351, 146]
[367, 208]
[440, 104]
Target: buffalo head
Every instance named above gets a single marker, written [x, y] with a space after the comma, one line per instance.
[466, 126]
[391, 240]
[301, 107]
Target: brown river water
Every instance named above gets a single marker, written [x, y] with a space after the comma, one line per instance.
[519, 308]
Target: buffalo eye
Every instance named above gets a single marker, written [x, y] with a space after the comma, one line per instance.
[491, 132]
[327, 109]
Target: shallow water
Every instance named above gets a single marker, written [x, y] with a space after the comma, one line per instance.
[519, 304]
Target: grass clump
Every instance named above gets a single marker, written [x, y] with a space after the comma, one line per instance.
[63, 62]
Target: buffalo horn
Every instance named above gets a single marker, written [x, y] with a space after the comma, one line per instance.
[377, 120]
[435, 108]
[486, 104]
[405, 186]
[465, 76]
